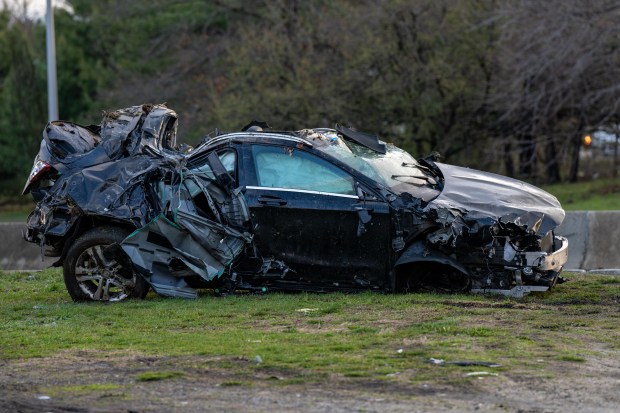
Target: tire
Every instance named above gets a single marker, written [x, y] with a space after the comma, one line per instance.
[91, 275]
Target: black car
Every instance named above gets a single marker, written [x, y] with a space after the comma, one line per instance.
[312, 210]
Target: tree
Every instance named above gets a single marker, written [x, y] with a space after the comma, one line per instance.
[560, 65]
[22, 98]
[150, 51]
[416, 73]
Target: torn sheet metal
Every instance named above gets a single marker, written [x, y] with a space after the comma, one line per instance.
[70, 139]
[162, 249]
[167, 249]
[100, 170]
[188, 222]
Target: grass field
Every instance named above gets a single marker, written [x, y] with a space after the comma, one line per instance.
[312, 337]
[597, 195]
[12, 211]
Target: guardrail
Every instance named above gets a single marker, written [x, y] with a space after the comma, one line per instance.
[594, 237]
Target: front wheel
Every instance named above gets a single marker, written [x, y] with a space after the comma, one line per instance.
[92, 272]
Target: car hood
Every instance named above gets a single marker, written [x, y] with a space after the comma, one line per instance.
[483, 194]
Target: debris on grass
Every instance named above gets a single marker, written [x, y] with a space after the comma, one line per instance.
[480, 374]
[306, 310]
[441, 362]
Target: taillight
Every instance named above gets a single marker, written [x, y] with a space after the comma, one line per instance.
[39, 170]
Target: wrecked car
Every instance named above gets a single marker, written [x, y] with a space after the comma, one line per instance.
[315, 210]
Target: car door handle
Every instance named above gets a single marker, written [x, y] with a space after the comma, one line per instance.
[271, 200]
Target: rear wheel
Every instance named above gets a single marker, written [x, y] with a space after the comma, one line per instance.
[94, 272]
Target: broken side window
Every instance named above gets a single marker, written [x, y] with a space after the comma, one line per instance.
[229, 160]
[228, 157]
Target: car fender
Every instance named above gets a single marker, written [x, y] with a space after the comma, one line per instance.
[418, 252]
[81, 225]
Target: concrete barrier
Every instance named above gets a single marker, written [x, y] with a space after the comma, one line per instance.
[593, 238]
[575, 228]
[17, 254]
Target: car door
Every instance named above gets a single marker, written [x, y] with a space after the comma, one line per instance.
[306, 212]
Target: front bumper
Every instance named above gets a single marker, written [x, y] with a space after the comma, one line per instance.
[543, 261]
[534, 265]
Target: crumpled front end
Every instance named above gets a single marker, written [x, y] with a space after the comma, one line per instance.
[506, 259]
[496, 232]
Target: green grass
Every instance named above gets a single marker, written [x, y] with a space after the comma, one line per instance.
[597, 195]
[364, 335]
[14, 216]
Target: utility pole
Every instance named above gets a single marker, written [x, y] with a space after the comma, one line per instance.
[617, 136]
[52, 89]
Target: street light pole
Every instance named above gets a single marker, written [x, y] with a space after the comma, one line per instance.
[617, 136]
[52, 89]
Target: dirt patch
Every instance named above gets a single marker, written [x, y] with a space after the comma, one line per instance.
[92, 382]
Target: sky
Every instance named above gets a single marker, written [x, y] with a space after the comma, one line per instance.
[34, 8]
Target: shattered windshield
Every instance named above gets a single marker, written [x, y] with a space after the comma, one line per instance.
[395, 169]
